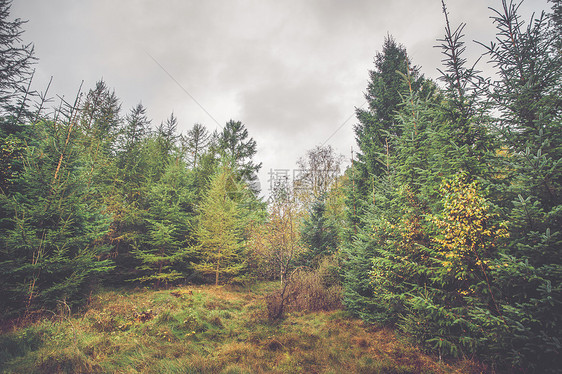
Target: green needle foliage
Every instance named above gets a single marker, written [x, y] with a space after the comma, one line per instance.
[220, 231]
[459, 244]
[50, 246]
[447, 225]
[318, 233]
[163, 250]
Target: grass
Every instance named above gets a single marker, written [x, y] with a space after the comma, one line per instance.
[206, 329]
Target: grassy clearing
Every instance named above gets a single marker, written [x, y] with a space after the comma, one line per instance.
[207, 330]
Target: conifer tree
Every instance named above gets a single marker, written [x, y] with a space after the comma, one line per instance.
[101, 114]
[135, 129]
[377, 124]
[318, 233]
[163, 249]
[527, 96]
[219, 232]
[440, 262]
[196, 142]
[378, 134]
[50, 244]
[167, 136]
[16, 61]
[234, 144]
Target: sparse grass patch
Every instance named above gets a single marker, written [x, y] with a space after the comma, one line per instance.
[208, 330]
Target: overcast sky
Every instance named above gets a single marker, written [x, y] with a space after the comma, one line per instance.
[292, 71]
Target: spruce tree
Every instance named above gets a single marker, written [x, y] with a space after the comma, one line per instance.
[16, 61]
[136, 128]
[377, 124]
[163, 249]
[377, 134]
[527, 97]
[100, 115]
[318, 233]
[167, 137]
[234, 144]
[196, 142]
[51, 246]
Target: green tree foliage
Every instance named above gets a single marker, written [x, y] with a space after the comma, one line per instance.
[16, 61]
[12, 149]
[167, 137]
[51, 224]
[135, 130]
[377, 123]
[100, 122]
[219, 232]
[460, 239]
[50, 246]
[318, 233]
[527, 95]
[195, 143]
[163, 250]
[379, 134]
[100, 114]
[15, 66]
[233, 143]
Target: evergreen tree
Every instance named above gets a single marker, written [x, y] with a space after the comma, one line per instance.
[50, 243]
[384, 134]
[16, 60]
[234, 144]
[219, 232]
[131, 158]
[318, 233]
[135, 130]
[167, 136]
[196, 142]
[527, 96]
[163, 249]
[100, 114]
[100, 122]
[434, 244]
[377, 123]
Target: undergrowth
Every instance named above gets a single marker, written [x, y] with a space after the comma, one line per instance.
[208, 330]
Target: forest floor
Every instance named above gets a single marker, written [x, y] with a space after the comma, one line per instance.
[207, 329]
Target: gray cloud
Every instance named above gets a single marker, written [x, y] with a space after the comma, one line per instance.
[292, 71]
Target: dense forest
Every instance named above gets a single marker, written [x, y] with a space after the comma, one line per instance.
[446, 226]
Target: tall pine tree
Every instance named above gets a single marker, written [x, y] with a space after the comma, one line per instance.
[219, 232]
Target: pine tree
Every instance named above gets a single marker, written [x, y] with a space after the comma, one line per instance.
[100, 121]
[433, 241]
[196, 142]
[163, 250]
[100, 114]
[234, 144]
[16, 61]
[219, 233]
[167, 136]
[318, 233]
[50, 244]
[393, 141]
[527, 97]
[377, 124]
[135, 130]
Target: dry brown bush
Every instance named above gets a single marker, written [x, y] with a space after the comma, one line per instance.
[307, 291]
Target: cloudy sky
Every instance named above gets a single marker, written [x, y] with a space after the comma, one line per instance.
[292, 71]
